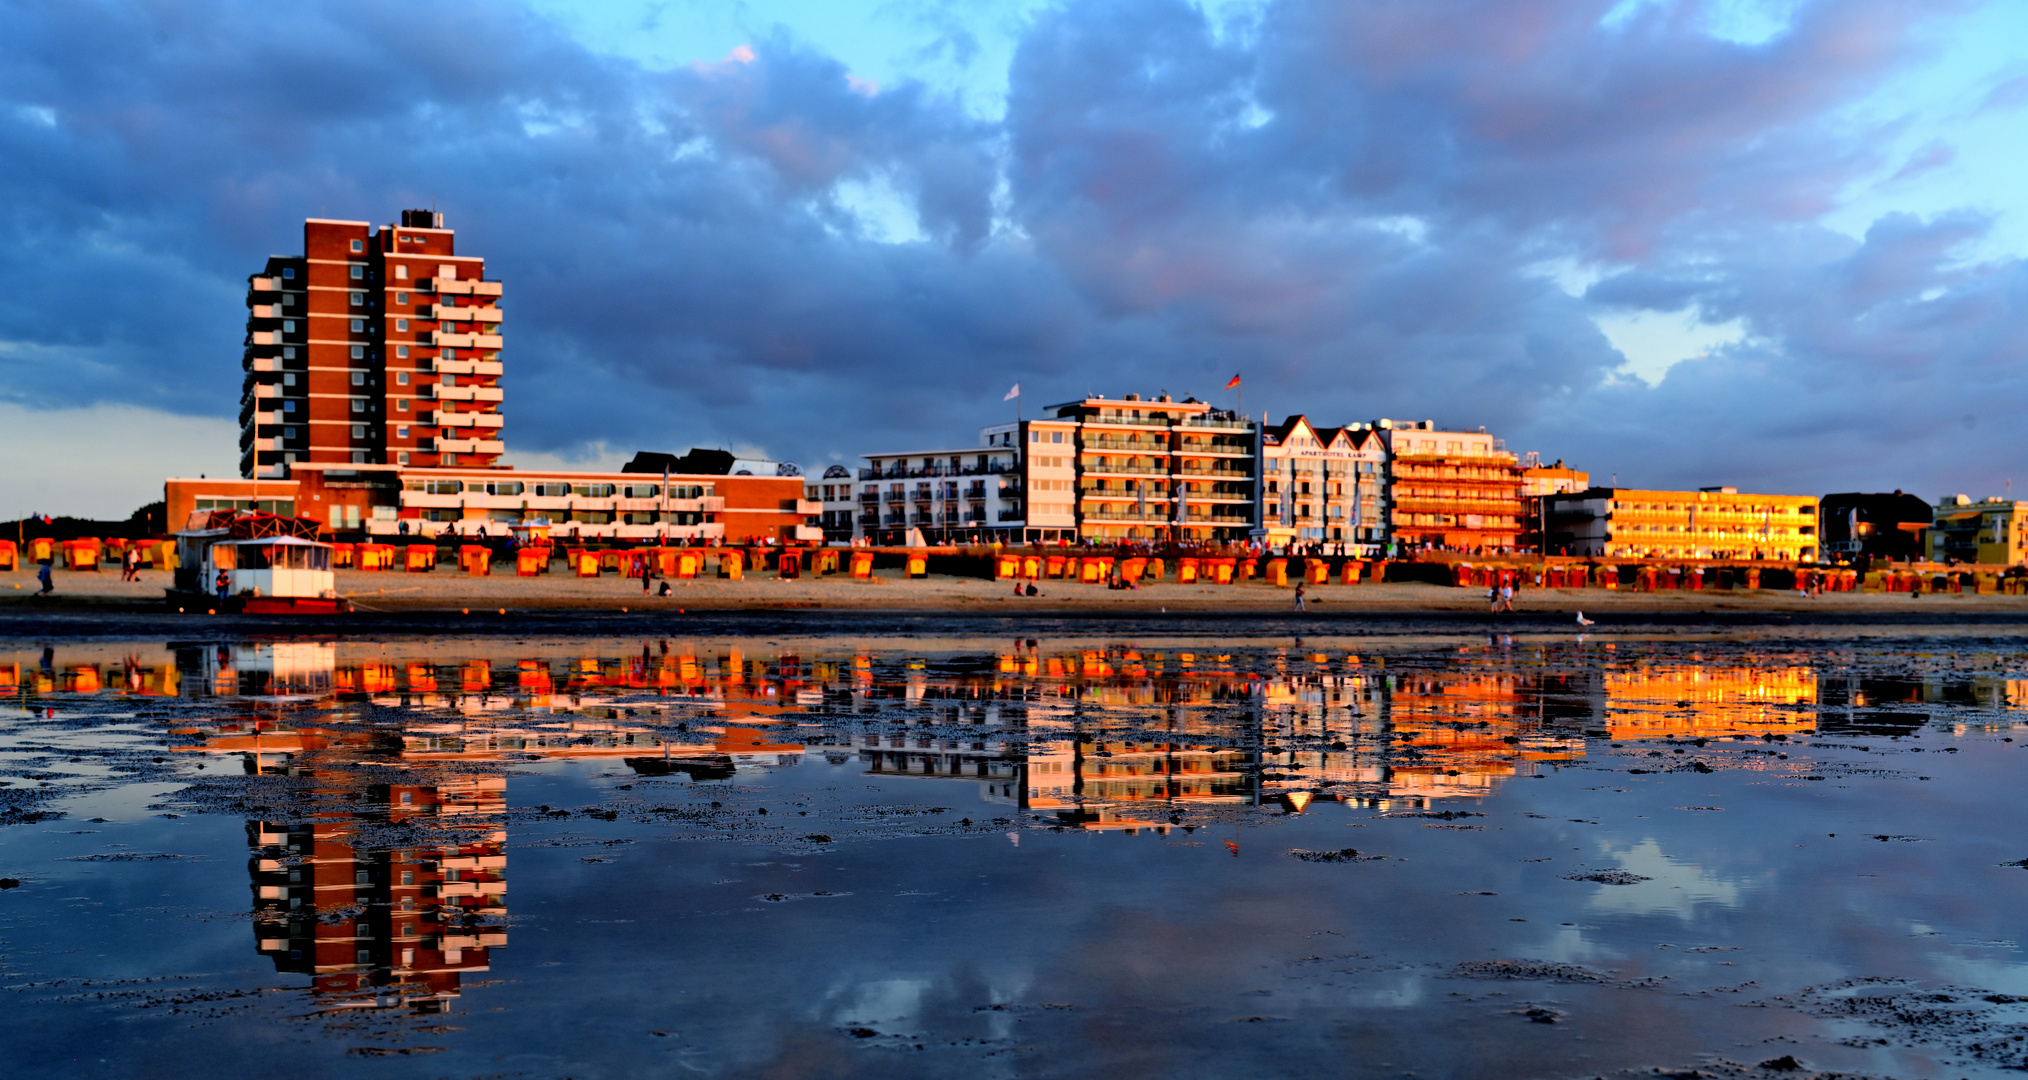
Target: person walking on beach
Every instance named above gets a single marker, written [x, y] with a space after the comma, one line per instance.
[1299, 597]
[42, 575]
[1506, 598]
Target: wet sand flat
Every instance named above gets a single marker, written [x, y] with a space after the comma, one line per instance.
[904, 857]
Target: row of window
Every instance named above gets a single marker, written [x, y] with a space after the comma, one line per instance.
[556, 489]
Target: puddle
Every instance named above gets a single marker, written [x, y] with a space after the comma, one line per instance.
[923, 857]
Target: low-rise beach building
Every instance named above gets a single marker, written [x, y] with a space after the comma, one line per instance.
[1986, 531]
[1711, 523]
[382, 501]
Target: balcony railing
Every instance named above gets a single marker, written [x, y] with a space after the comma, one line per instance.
[893, 473]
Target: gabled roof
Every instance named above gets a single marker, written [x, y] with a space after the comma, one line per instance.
[1279, 433]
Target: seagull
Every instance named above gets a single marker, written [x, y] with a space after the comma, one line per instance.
[1582, 621]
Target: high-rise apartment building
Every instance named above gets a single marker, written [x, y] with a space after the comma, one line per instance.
[1459, 490]
[371, 347]
[1151, 469]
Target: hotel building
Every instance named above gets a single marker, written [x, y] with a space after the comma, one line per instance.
[1324, 484]
[1712, 523]
[1098, 469]
[1452, 489]
[372, 347]
[1156, 469]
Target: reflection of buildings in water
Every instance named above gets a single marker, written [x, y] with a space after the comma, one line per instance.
[376, 929]
[1692, 701]
[1040, 726]
[371, 928]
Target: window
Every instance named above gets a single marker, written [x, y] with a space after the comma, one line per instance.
[359, 245]
[288, 406]
[289, 352]
[359, 431]
[1035, 436]
[288, 273]
[595, 491]
[288, 378]
[358, 299]
[403, 456]
[358, 352]
[401, 404]
[443, 487]
[552, 490]
[358, 404]
[288, 326]
[401, 273]
[401, 378]
[450, 354]
[449, 380]
[401, 432]
[1056, 436]
[401, 324]
[359, 273]
[641, 491]
[401, 351]
[359, 378]
[506, 487]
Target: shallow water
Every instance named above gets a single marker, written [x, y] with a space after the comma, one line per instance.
[1194, 856]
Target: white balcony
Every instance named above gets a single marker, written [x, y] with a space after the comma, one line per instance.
[809, 532]
[486, 341]
[485, 367]
[808, 507]
[453, 340]
[485, 288]
[487, 393]
[451, 419]
[447, 313]
[265, 337]
[266, 284]
[449, 286]
[486, 419]
[458, 367]
[264, 363]
[266, 390]
[266, 311]
[452, 393]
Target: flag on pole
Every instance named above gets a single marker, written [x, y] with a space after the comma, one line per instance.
[1014, 393]
[1233, 383]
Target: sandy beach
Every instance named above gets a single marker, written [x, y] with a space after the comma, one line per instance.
[447, 589]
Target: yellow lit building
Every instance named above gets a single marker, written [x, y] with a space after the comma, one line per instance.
[1987, 531]
[1713, 523]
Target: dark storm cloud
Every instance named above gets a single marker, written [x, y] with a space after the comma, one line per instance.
[1358, 204]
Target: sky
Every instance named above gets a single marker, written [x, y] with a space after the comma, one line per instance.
[1775, 244]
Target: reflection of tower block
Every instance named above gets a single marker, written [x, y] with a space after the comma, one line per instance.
[381, 929]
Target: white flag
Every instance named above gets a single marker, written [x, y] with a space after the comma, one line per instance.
[1014, 393]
